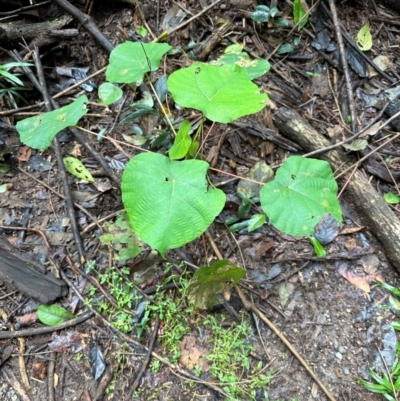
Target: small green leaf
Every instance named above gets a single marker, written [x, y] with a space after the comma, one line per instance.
[364, 38]
[218, 91]
[137, 140]
[318, 247]
[282, 22]
[238, 226]
[182, 142]
[396, 325]
[161, 88]
[299, 14]
[168, 202]
[391, 198]
[389, 287]
[245, 206]
[286, 48]
[256, 221]
[146, 101]
[76, 168]
[394, 303]
[109, 93]
[210, 281]
[4, 168]
[264, 8]
[3, 188]
[372, 387]
[51, 315]
[129, 61]
[303, 191]
[194, 147]
[38, 131]
[358, 144]
[260, 16]
[142, 31]
[383, 381]
[274, 11]
[142, 111]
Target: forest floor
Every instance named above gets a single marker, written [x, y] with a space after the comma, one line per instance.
[330, 309]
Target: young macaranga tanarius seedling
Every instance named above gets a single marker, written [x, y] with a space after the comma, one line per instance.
[168, 201]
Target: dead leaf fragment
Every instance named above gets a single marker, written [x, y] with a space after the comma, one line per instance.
[39, 369]
[24, 153]
[72, 341]
[192, 354]
[27, 319]
[360, 282]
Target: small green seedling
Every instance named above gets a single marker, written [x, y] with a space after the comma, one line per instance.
[10, 84]
[387, 384]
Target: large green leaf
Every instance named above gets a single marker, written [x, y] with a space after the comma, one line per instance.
[38, 131]
[304, 190]
[129, 61]
[168, 202]
[209, 281]
[223, 93]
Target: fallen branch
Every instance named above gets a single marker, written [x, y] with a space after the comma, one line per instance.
[16, 31]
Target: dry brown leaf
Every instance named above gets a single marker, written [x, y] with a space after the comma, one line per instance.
[24, 153]
[192, 354]
[360, 282]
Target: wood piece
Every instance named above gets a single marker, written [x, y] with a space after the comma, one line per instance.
[18, 272]
[16, 31]
[374, 211]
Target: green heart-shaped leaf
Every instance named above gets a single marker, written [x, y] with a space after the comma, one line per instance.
[218, 91]
[38, 131]
[168, 202]
[129, 61]
[303, 191]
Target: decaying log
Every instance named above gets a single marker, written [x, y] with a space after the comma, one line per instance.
[373, 209]
[17, 272]
[15, 31]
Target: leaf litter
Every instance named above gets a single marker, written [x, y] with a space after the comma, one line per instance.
[317, 292]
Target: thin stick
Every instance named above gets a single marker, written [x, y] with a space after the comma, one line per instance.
[345, 67]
